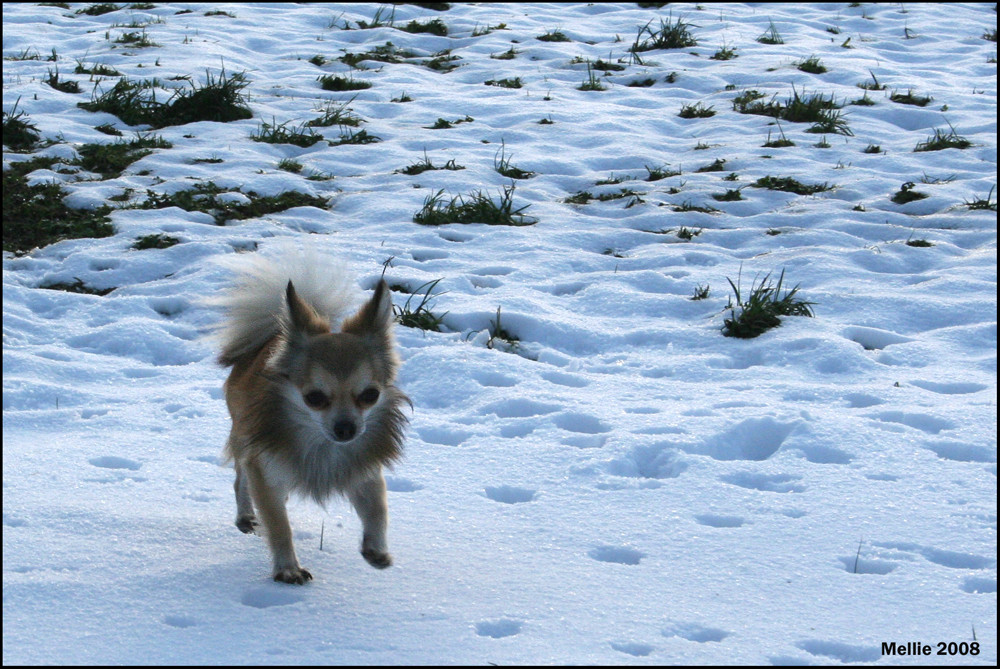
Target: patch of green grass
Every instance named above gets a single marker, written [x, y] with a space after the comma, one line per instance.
[641, 83]
[730, 195]
[420, 167]
[501, 163]
[873, 148]
[941, 140]
[204, 197]
[505, 83]
[110, 160]
[290, 165]
[139, 40]
[687, 234]
[697, 110]
[592, 83]
[919, 243]
[790, 185]
[77, 286]
[478, 208]
[97, 9]
[444, 124]
[778, 143]
[220, 99]
[19, 133]
[909, 98]
[99, 69]
[66, 86]
[724, 53]
[420, 316]
[907, 194]
[359, 137]
[670, 35]
[771, 35]
[380, 19]
[434, 27]
[872, 85]
[717, 165]
[443, 62]
[498, 331]
[701, 292]
[36, 216]
[330, 82]
[387, 53]
[662, 172]
[509, 54]
[687, 205]
[983, 203]
[553, 36]
[812, 65]
[278, 133]
[761, 309]
[155, 241]
[335, 114]
[583, 197]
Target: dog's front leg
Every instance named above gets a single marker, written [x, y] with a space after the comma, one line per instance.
[270, 504]
[246, 521]
[369, 499]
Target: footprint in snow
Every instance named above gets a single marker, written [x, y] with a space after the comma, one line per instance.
[400, 484]
[114, 462]
[633, 648]
[498, 629]
[716, 520]
[842, 652]
[765, 482]
[266, 596]
[507, 494]
[695, 632]
[616, 554]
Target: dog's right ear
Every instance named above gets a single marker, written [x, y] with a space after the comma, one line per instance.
[375, 317]
[303, 318]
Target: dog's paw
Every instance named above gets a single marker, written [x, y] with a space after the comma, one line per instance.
[247, 524]
[377, 559]
[296, 575]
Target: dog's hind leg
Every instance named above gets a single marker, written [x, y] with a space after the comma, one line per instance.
[246, 520]
[368, 498]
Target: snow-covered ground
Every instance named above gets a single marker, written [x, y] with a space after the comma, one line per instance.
[627, 485]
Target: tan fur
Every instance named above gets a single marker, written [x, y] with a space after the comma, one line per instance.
[313, 411]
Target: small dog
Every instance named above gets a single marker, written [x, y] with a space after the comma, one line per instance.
[314, 410]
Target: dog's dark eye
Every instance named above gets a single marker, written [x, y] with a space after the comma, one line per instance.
[315, 399]
[368, 396]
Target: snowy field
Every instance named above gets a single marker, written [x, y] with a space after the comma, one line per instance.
[624, 485]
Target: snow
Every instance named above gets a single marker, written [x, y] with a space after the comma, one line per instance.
[628, 485]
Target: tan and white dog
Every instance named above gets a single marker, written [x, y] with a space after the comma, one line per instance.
[312, 397]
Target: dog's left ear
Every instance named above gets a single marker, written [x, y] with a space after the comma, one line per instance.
[375, 317]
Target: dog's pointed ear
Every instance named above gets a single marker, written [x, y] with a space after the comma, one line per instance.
[302, 317]
[375, 316]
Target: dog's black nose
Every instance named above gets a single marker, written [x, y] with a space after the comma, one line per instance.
[344, 430]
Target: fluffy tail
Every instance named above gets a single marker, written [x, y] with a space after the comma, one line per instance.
[255, 305]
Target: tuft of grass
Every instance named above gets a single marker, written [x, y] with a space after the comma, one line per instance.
[730, 195]
[330, 82]
[670, 35]
[64, 86]
[444, 124]
[872, 85]
[359, 137]
[701, 292]
[718, 165]
[919, 243]
[110, 160]
[909, 98]
[697, 110]
[501, 163]
[335, 114]
[290, 165]
[941, 140]
[778, 143]
[36, 216]
[442, 62]
[873, 148]
[220, 99]
[983, 203]
[592, 83]
[687, 205]
[771, 35]
[553, 36]
[278, 133]
[155, 241]
[509, 54]
[99, 69]
[687, 234]
[478, 208]
[724, 53]
[790, 185]
[812, 65]
[505, 83]
[420, 167]
[761, 309]
[19, 133]
[77, 286]
[498, 331]
[421, 316]
[662, 172]
[434, 27]
[204, 197]
[907, 194]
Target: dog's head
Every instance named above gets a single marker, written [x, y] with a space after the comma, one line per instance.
[337, 378]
